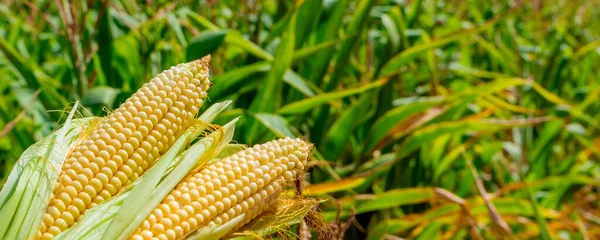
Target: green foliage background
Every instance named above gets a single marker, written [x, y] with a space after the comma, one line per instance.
[431, 119]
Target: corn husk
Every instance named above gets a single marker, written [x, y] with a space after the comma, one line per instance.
[30, 183]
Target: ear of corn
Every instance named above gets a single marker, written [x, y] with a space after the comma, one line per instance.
[247, 183]
[118, 217]
[126, 143]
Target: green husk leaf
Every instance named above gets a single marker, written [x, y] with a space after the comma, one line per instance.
[27, 191]
[213, 111]
[214, 231]
[231, 149]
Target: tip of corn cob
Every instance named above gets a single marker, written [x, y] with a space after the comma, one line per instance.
[126, 143]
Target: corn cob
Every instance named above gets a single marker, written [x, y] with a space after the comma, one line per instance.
[126, 143]
[247, 182]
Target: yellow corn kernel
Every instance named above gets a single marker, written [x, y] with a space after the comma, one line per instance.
[127, 142]
[248, 182]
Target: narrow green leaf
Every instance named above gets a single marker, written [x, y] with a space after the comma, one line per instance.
[35, 77]
[176, 27]
[342, 129]
[199, 21]
[310, 51]
[355, 26]
[281, 26]
[386, 122]
[232, 79]
[424, 135]
[586, 49]
[277, 124]
[395, 198]
[320, 63]
[205, 43]
[309, 103]
[298, 83]
[127, 62]
[393, 65]
[472, 72]
[336, 186]
[267, 99]
[233, 37]
[309, 11]
[237, 39]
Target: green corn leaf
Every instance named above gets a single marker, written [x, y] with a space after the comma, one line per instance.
[309, 103]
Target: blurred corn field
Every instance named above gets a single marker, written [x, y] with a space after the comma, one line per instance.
[431, 119]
